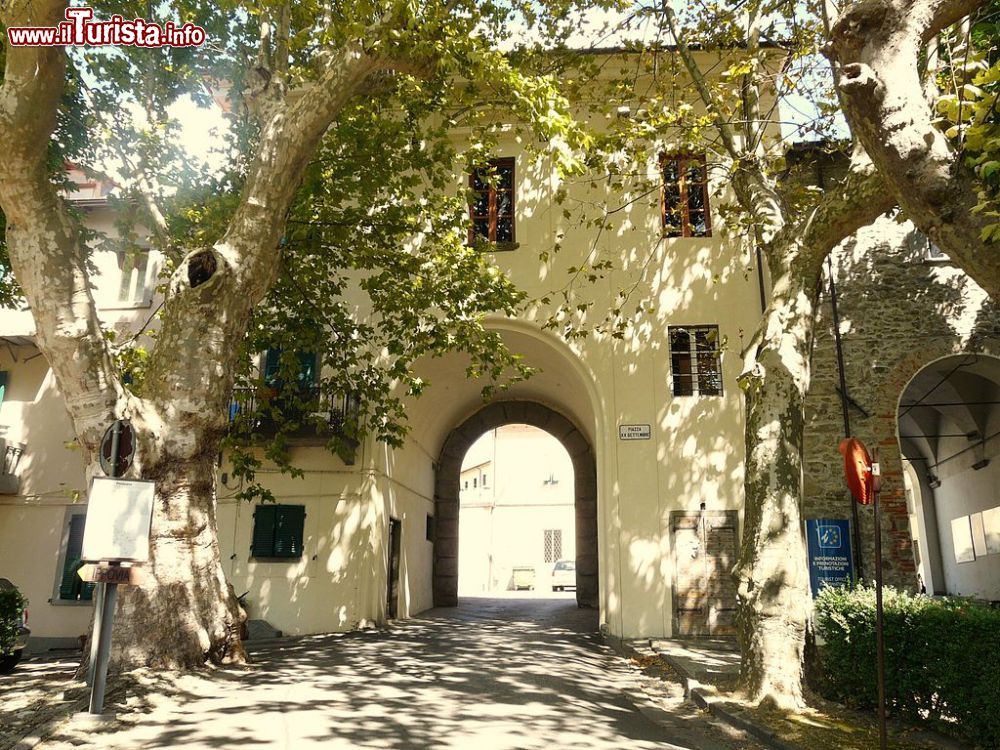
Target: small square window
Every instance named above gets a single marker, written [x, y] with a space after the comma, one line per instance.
[695, 364]
[277, 531]
[684, 198]
[492, 208]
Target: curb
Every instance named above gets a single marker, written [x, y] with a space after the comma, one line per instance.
[703, 699]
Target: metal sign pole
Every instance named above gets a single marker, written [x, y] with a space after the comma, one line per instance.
[100, 648]
[879, 624]
[846, 415]
[106, 621]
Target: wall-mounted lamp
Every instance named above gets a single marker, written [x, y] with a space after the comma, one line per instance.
[980, 453]
[933, 482]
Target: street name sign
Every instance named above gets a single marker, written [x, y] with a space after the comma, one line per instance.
[634, 432]
[101, 573]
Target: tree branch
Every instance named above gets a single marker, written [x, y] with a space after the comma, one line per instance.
[876, 44]
[46, 250]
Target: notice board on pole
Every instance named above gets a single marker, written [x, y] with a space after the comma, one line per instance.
[119, 514]
[831, 562]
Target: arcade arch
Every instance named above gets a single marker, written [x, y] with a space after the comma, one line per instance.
[949, 435]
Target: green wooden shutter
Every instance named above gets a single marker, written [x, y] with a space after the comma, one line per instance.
[307, 369]
[288, 531]
[263, 531]
[71, 587]
[272, 363]
[4, 376]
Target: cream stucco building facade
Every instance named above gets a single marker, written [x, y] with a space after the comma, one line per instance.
[652, 422]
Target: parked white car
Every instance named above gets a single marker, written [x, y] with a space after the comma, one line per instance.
[564, 575]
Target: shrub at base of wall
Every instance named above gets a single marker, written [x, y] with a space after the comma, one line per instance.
[942, 658]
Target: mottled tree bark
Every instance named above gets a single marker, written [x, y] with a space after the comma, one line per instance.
[876, 46]
[773, 584]
[773, 603]
[185, 612]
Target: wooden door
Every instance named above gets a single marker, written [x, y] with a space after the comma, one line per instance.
[704, 591]
[395, 538]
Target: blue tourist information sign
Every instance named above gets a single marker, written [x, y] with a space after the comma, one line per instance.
[830, 558]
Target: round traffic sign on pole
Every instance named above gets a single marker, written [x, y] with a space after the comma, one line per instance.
[118, 448]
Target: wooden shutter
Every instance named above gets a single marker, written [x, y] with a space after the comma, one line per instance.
[263, 531]
[277, 531]
[71, 588]
[272, 363]
[288, 530]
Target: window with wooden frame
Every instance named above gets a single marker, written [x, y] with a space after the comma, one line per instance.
[695, 364]
[492, 207]
[684, 196]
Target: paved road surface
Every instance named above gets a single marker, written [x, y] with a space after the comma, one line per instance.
[515, 673]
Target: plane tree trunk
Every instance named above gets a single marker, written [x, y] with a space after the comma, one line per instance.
[773, 585]
[184, 613]
[773, 603]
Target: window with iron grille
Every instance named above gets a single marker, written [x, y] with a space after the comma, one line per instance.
[684, 199]
[277, 531]
[552, 545]
[695, 366]
[492, 208]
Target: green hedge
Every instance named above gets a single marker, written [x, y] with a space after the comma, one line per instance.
[11, 605]
[942, 658]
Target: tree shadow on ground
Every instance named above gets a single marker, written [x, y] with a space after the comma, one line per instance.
[511, 673]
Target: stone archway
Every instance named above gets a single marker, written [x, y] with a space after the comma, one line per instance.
[446, 491]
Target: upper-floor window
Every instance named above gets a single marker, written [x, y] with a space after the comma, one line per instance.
[685, 211]
[132, 284]
[492, 209]
[305, 374]
[695, 366]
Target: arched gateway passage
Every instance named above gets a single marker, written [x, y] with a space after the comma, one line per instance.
[446, 493]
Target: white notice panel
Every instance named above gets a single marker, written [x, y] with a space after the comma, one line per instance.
[119, 512]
